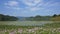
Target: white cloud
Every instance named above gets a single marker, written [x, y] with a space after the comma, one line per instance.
[14, 8]
[12, 3]
[31, 2]
[33, 5]
[34, 9]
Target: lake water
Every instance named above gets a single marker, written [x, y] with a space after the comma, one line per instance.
[25, 23]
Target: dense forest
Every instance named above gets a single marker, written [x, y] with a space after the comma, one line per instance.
[7, 18]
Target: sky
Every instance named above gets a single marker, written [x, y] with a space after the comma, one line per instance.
[28, 8]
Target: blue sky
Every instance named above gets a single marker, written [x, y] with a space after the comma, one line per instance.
[29, 7]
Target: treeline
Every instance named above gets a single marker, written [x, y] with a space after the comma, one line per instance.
[44, 18]
[7, 18]
[39, 18]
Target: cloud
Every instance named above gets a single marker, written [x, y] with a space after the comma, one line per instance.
[32, 5]
[31, 2]
[12, 3]
[34, 9]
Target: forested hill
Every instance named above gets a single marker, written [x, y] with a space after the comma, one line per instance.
[7, 18]
[41, 18]
[34, 18]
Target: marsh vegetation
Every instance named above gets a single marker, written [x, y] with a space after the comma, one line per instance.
[49, 27]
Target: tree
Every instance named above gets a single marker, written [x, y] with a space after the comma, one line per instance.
[54, 15]
[38, 16]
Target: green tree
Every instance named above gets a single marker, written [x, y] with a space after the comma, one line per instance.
[54, 15]
[38, 16]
